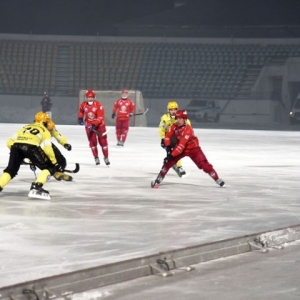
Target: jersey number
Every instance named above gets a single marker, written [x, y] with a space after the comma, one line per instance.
[31, 130]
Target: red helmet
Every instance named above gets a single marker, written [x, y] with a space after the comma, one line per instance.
[124, 94]
[90, 93]
[181, 114]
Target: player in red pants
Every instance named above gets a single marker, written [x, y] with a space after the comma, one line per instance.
[187, 144]
[123, 109]
[93, 112]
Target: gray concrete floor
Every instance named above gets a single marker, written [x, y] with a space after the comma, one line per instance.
[273, 275]
[111, 214]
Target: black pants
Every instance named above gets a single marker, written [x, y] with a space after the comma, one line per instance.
[59, 157]
[20, 151]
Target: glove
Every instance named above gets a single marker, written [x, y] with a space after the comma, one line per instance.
[169, 150]
[58, 168]
[168, 158]
[131, 114]
[68, 147]
[92, 128]
[162, 143]
[32, 167]
[80, 121]
[113, 115]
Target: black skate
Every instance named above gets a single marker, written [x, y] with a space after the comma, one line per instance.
[37, 192]
[176, 169]
[97, 160]
[181, 171]
[106, 160]
[220, 182]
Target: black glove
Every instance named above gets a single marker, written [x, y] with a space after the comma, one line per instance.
[58, 168]
[68, 147]
[32, 167]
[80, 121]
[92, 128]
[168, 158]
[169, 149]
[113, 115]
[162, 143]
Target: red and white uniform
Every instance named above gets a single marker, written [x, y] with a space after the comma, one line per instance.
[123, 108]
[94, 114]
[187, 144]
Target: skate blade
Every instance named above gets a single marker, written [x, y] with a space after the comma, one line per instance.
[38, 195]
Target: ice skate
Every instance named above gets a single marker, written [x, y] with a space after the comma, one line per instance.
[119, 143]
[37, 192]
[1, 189]
[220, 182]
[106, 160]
[176, 169]
[181, 171]
[155, 184]
[97, 160]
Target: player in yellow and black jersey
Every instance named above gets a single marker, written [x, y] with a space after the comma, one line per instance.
[33, 142]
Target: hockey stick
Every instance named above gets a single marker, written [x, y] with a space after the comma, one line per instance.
[98, 132]
[32, 166]
[143, 113]
[76, 170]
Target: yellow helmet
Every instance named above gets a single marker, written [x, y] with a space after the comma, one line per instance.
[172, 105]
[50, 124]
[41, 117]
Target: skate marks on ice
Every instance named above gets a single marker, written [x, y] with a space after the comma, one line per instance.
[109, 214]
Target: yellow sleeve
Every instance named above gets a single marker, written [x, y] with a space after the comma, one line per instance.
[11, 141]
[46, 143]
[60, 138]
[163, 126]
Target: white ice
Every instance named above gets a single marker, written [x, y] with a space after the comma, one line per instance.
[111, 214]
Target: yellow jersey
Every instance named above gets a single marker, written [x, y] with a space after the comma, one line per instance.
[165, 123]
[34, 134]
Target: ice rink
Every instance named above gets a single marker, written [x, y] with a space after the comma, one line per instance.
[110, 214]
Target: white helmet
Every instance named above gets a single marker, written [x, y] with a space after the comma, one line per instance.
[124, 94]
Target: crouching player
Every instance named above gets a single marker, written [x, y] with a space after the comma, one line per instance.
[32, 142]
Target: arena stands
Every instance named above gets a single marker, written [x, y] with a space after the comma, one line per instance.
[160, 70]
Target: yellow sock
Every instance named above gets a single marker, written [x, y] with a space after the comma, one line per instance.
[178, 164]
[42, 178]
[4, 179]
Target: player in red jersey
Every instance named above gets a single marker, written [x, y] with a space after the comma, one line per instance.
[91, 114]
[187, 144]
[124, 109]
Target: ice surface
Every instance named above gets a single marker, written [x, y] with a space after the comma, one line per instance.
[108, 214]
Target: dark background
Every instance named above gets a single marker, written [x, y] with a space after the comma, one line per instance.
[110, 17]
